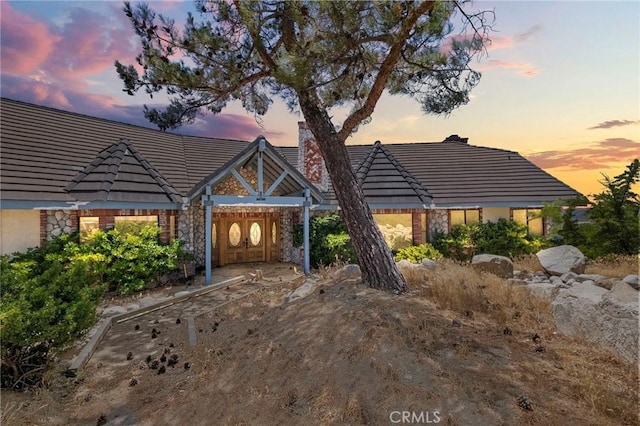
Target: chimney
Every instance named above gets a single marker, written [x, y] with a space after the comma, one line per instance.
[456, 138]
[310, 161]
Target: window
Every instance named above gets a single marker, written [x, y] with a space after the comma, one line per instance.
[396, 229]
[88, 225]
[463, 217]
[133, 224]
[529, 218]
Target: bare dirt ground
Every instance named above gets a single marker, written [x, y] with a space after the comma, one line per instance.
[346, 354]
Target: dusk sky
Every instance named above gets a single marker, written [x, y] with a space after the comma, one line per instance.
[560, 84]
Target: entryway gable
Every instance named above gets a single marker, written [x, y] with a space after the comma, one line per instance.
[277, 184]
[260, 175]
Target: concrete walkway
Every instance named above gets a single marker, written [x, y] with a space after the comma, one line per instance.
[132, 331]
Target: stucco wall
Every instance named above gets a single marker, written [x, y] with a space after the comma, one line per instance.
[19, 230]
[492, 214]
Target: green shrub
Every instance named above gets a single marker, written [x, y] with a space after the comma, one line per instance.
[415, 254]
[504, 238]
[328, 239]
[49, 294]
[44, 307]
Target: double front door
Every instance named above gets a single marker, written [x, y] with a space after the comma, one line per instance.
[242, 238]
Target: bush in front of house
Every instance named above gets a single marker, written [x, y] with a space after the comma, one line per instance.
[330, 242]
[44, 307]
[415, 254]
[49, 294]
[131, 261]
[504, 238]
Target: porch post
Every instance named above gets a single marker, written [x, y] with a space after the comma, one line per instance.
[307, 204]
[207, 235]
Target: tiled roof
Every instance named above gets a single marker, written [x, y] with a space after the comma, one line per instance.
[456, 173]
[385, 181]
[120, 173]
[43, 149]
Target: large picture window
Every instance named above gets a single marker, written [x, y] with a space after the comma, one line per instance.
[396, 229]
[463, 217]
[530, 218]
[133, 224]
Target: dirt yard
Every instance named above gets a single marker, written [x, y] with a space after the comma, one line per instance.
[345, 354]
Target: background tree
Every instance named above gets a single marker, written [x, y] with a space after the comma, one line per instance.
[316, 56]
[616, 213]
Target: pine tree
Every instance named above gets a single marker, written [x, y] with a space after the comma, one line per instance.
[316, 56]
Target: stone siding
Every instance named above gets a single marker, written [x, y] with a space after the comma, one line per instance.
[54, 223]
[438, 221]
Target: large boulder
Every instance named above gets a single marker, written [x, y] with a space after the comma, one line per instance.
[608, 318]
[562, 259]
[494, 264]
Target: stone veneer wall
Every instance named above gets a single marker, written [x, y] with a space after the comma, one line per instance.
[231, 186]
[438, 221]
[54, 223]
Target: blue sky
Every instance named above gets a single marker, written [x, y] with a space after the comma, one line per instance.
[560, 85]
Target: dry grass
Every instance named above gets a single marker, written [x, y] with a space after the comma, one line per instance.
[527, 262]
[613, 266]
[460, 289]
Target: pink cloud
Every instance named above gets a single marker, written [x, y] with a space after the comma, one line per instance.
[26, 43]
[525, 69]
[89, 44]
[599, 155]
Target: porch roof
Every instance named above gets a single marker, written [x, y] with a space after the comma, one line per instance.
[273, 170]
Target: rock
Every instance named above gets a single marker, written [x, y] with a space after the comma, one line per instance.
[308, 287]
[430, 264]
[607, 318]
[181, 293]
[590, 277]
[132, 307]
[348, 272]
[544, 290]
[404, 264]
[568, 276]
[590, 282]
[113, 310]
[556, 279]
[494, 264]
[522, 275]
[632, 280]
[571, 282]
[562, 259]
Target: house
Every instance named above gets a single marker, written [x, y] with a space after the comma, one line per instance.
[235, 201]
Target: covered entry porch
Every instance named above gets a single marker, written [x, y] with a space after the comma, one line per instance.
[246, 202]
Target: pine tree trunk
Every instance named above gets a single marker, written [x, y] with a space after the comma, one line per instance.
[378, 268]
